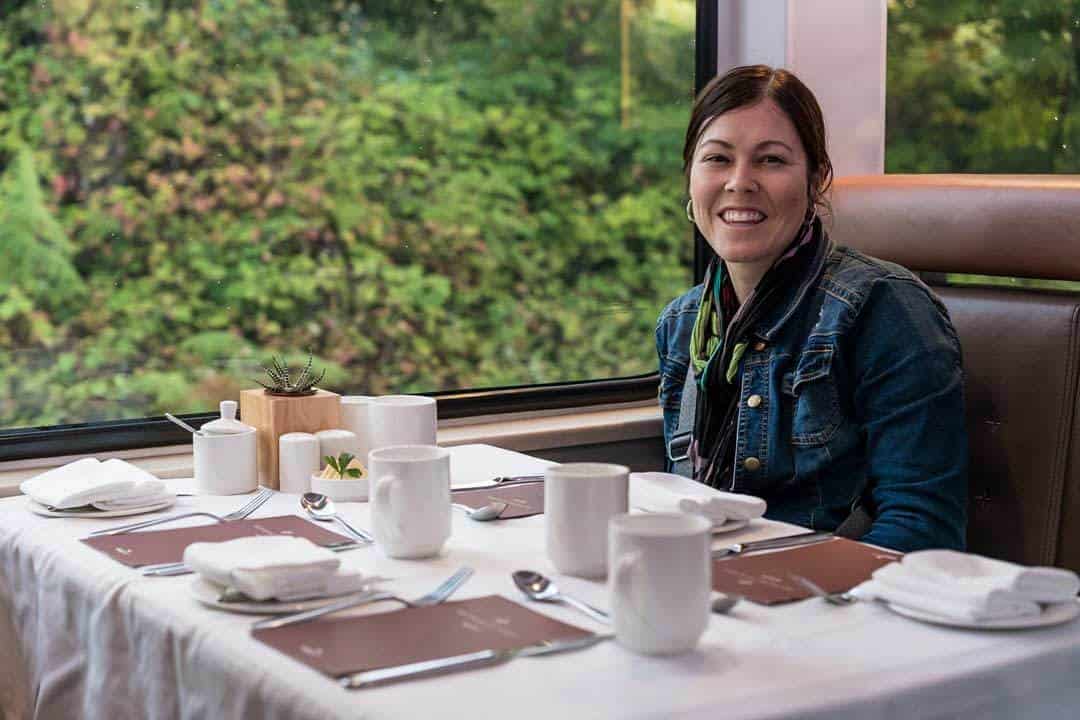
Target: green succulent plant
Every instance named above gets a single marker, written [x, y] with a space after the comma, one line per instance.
[282, 381]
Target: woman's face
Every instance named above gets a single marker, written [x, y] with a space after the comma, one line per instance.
[749, 183]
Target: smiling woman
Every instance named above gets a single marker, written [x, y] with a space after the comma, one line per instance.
[823, 380]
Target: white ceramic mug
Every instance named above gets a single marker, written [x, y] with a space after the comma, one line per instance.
[579, 500]
[356, 416]
[410, 499]
[225, 464]
[660, 578]
[401, 420]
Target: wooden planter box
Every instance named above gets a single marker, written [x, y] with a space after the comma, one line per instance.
[275, 415]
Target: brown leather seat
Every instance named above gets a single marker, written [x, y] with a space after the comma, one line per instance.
[1021, 346]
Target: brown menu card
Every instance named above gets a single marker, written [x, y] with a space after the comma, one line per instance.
[346, 645]
[523, 499]
[836, 565]
[150, 547]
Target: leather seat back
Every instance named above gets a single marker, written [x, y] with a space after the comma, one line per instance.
[1021, 346]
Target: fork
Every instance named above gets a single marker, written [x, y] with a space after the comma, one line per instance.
[249, 507]
[436, 596]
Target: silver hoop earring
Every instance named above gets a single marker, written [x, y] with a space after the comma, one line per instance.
[690, 210]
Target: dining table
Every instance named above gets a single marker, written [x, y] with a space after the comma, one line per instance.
[84, 636]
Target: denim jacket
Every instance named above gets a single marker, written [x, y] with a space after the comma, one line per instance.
[851, 394]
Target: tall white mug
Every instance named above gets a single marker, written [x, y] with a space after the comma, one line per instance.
[660, 577]
[410, 499]
[401, 420]
[356, 416]
[579, 500]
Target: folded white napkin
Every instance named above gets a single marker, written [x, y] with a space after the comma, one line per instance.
[342, 582]
[266, 566]
[983, 574]
[947, 597]
[667, 492]
[88, 481]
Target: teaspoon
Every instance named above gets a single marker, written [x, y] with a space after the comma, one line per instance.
[172, 418]
[491, 511]
[722, 603]
[322, 508]
[538, 587]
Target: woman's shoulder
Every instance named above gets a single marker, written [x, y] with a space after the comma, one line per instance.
[852, 276]
[685, 304]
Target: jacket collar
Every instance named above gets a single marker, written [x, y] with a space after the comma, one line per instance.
[770, 325]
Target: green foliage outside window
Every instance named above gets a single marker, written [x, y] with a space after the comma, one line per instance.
[984, 86]
[425, 195]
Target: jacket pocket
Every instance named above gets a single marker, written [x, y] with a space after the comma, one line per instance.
[816, 415]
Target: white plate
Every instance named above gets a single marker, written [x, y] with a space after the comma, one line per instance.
[1051, 615]
[729, 526]
[726, 527]
[207, 593]
[40, 509]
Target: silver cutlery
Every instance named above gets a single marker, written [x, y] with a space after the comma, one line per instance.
[179, 568]
[772, 543]
[465, 661]
[541, 588]
[513, 479]
[249, 507]
[491, 511]
[436, 596]
[172, 418]
[833, 598]
[322, 508]
[722, 603]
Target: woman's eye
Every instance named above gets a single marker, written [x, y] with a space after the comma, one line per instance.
[773, 160]
[715, 158]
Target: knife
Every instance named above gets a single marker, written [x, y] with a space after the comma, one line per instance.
[772, 543]
[480, 658]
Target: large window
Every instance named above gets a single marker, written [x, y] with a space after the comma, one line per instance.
[425, 195]
[979, 86]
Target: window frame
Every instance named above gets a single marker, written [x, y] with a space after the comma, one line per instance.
[148, 432]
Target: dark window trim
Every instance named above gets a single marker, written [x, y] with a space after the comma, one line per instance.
[707, 49]
[117, 435]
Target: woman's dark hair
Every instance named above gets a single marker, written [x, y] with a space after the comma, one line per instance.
[749, 84]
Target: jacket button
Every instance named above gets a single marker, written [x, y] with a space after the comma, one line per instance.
[752, 464]
[753, 401]
[759, 346]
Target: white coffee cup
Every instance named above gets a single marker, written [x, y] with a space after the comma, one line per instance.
[410, 499]
[660, 581]
[579, 500]
[356, 416]
[401, 420]
[225, 464]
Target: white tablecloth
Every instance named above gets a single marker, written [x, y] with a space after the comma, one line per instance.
[97, 640]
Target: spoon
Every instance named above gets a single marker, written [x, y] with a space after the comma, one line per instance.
[322, 508]
[513, 479]
[491, 511]
[722, 602]
[538, 587]
[184, 425]
[833, 598]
